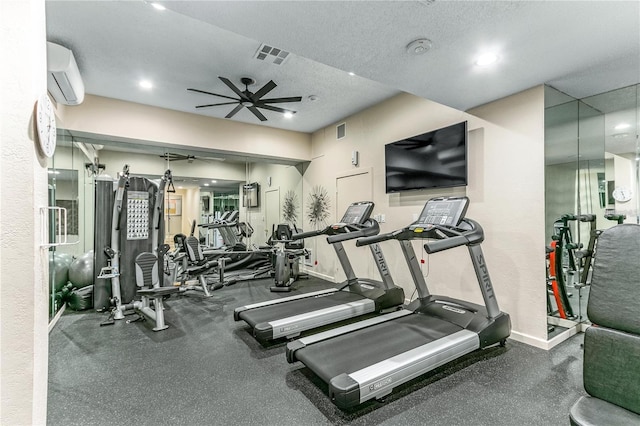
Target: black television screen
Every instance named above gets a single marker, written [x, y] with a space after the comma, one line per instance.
[436, 159]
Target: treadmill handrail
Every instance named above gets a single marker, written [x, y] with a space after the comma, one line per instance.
[346, 231]
[378, 238]
[308, 234]
[448, 243]
[355, 231]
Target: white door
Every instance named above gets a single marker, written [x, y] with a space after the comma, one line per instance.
[272, 211]
[351, 189]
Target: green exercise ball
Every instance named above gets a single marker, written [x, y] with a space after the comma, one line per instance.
[81, 270]
[66, 257]
[58, 271]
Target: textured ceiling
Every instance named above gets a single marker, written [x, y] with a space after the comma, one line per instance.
[580, 47]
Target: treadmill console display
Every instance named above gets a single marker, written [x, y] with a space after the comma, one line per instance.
[443, 211]
[357, 213]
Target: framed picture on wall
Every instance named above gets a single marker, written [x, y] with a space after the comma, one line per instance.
[251, 195]
[173, 205]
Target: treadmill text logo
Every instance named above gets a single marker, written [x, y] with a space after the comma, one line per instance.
[380, 259]
[380, 384]
[484, 276]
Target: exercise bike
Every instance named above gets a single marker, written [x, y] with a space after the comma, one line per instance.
[286, 257]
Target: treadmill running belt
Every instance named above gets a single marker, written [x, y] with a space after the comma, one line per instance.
[297, 307]
[353, 351]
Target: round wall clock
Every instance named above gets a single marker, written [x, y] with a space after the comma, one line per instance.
[622, 194]
[46, 125]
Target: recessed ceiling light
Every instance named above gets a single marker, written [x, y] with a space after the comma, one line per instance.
[352, 73]
[620, 135]
[213, 181]
[486, 59]
[206, 184]
[146, 84]
[158, 6]
[622, 126]
[288, 114]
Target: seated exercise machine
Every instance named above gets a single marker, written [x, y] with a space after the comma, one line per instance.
[290, 316]
[286, 257]
[134, 257]
[611, 370]
[226, 265]
[561, 247]
[582, 258]
[193, 266]
[368, 359]
[586, 255]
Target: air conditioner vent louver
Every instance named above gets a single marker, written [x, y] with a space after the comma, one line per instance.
[63, 77]
[272, 54]
[341, 130]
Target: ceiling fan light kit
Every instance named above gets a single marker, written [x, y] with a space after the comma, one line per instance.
[250, 100]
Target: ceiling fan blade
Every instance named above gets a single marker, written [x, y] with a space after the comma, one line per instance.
[210, 105]
[264, 90]
[233, 87]
[209, 93]
[280, 100]
[272, 108]
[257, 113]
[173, 157]
[234, 111]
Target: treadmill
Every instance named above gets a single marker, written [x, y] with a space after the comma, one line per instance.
[368, 359]
[289, 316]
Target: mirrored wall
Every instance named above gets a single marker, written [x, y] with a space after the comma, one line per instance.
[591, 183]
[70, 190]
[256, 193]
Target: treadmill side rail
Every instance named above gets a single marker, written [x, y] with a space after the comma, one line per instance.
[379, 380]
[238, 310]
[294, 325]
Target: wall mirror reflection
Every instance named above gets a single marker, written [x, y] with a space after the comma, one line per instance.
[591, 183]
[231, 204]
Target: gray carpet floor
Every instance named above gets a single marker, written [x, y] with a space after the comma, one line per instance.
[207, 369]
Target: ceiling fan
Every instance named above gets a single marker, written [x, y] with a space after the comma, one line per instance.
[171, 156]
[252, 101]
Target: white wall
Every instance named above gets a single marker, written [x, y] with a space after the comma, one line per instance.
[23, 190]
[506, 175]
[148, 164]
[126, 120]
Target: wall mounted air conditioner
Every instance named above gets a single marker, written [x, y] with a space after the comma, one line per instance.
[63, 77]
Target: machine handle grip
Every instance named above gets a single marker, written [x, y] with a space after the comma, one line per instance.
[569, 216]
[617, 217]
[587, 218]
[440, 245]
[377, 238]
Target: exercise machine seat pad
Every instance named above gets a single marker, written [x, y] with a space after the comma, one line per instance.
[614, 297]
[589, 411]
[612, 367]
[146, 270]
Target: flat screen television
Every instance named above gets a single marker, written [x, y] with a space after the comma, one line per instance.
[436, 159]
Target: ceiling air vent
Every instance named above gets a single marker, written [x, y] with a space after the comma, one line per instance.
[272, 54]
[341, 130]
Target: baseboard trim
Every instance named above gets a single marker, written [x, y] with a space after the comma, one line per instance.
[56, 317]
[319, 275]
